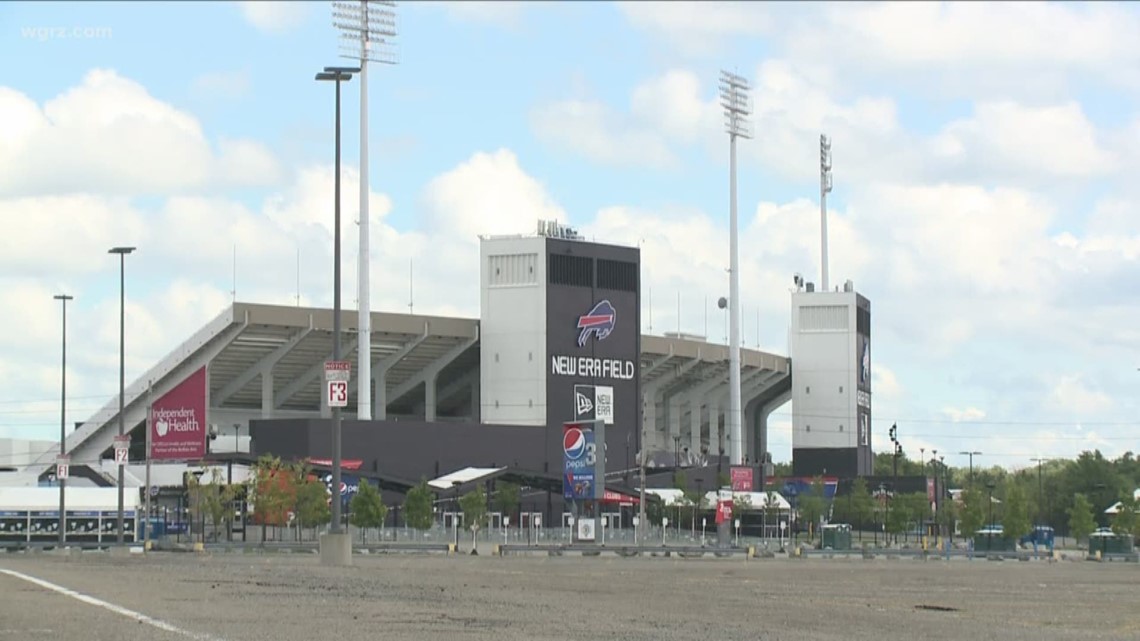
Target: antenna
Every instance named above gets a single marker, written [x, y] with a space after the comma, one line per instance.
[678, 312]
[650, 310]
[298, 274]
[411, 282]
[824, 190]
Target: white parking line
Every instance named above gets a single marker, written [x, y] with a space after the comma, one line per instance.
[161, 625]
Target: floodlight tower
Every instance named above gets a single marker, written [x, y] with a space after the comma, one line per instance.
[368, 28]
[824, 190]
[737, 107]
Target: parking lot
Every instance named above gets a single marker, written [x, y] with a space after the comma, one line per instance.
[287, 597]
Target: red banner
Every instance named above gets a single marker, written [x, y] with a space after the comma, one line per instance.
[178, 423]
[348, 464]
[723, 511]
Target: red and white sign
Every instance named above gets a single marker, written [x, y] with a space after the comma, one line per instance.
[723, 511]
[741, 477]
[337, 393]
[178, 421]
[620, 499]
[348, 464]
[122, 449]
[62, 467]
[338, 370]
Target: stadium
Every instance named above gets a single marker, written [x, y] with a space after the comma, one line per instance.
[458, 401]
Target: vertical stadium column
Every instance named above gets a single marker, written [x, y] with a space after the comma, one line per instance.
[476, 413]
[429, 396]
[267, 394]
[674, 414]
[694, 424]
[714, 424]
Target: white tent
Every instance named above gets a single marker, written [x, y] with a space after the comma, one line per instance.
[1115, 509]
[756, 500]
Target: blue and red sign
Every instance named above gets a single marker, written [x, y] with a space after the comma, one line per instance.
[599, 321]
[578, 460]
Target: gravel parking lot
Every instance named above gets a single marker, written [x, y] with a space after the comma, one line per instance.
[286, 597]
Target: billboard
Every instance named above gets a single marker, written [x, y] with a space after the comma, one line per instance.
[863, 452]
[178, 422]
[593, 320]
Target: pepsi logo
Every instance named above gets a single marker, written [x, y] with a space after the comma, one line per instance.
[574, 443]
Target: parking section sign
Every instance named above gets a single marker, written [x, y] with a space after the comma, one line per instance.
[594, 403]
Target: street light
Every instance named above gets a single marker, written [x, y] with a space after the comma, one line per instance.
[336, 75]
[1040, 491]
[737, 108]
[363, 26]
[63, 298]
[122, 252]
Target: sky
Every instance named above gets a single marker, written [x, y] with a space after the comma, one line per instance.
[983, 193]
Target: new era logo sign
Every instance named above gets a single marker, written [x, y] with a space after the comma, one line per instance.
[594, 402]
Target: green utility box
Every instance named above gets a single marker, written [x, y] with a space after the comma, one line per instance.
[993, 540]
[836, 536]
[1109, 543]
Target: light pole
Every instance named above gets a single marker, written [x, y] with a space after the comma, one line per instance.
[122, 252]
[63, 298]
[337, 75]
[364, 25]
[971, 455]
[737, 108]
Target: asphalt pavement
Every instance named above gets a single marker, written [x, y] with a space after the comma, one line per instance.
[285, 597]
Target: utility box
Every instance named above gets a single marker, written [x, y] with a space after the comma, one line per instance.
[1110, 543]
[836, 536]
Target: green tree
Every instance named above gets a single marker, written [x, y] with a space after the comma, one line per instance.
[857, 507]
[812, 506]
[271, 489]
[474, 507]
[368, 509]
[1081, 523]
[508, 496]
[1015, 513]
[312, 507]
[973, 511]
[417, 506]
[1125, 522]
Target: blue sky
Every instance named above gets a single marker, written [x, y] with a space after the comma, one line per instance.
[982, 182]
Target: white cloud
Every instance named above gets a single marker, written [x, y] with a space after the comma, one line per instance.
[594, 131]
[967, 414]
[503, 14]
[222, 84]
[701, 29]
[885, 384]
[109, 135]
[275, 17]
[1073, 396]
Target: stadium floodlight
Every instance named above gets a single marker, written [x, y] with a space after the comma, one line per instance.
[368, 32]
[971, 455]
[824, 190]
[737, 107]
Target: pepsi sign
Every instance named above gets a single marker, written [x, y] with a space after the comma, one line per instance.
[579, 460]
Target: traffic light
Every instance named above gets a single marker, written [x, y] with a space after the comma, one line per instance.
[894, 431]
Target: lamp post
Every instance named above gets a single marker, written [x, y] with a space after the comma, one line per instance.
[63, 298]
[337, 75]
[737, 108]
[1040, 491]
[122, 252]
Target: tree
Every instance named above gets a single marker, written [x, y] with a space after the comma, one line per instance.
[312, 506]
[812, 506]
[1015, 515]
[1081, 523]
[973, 511]
[1125, 523]
[507, 498]
[857, 507]
[213, 499]
[368, 509]
[474, 507]
[417, 506]
[272, 489]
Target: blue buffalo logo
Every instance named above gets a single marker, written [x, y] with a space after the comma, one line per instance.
[599, 321]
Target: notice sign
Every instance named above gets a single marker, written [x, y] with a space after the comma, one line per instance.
[178, 421]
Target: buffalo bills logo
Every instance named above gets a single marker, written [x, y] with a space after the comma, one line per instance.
[574, 443]
[865, 370]
[599, 321]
